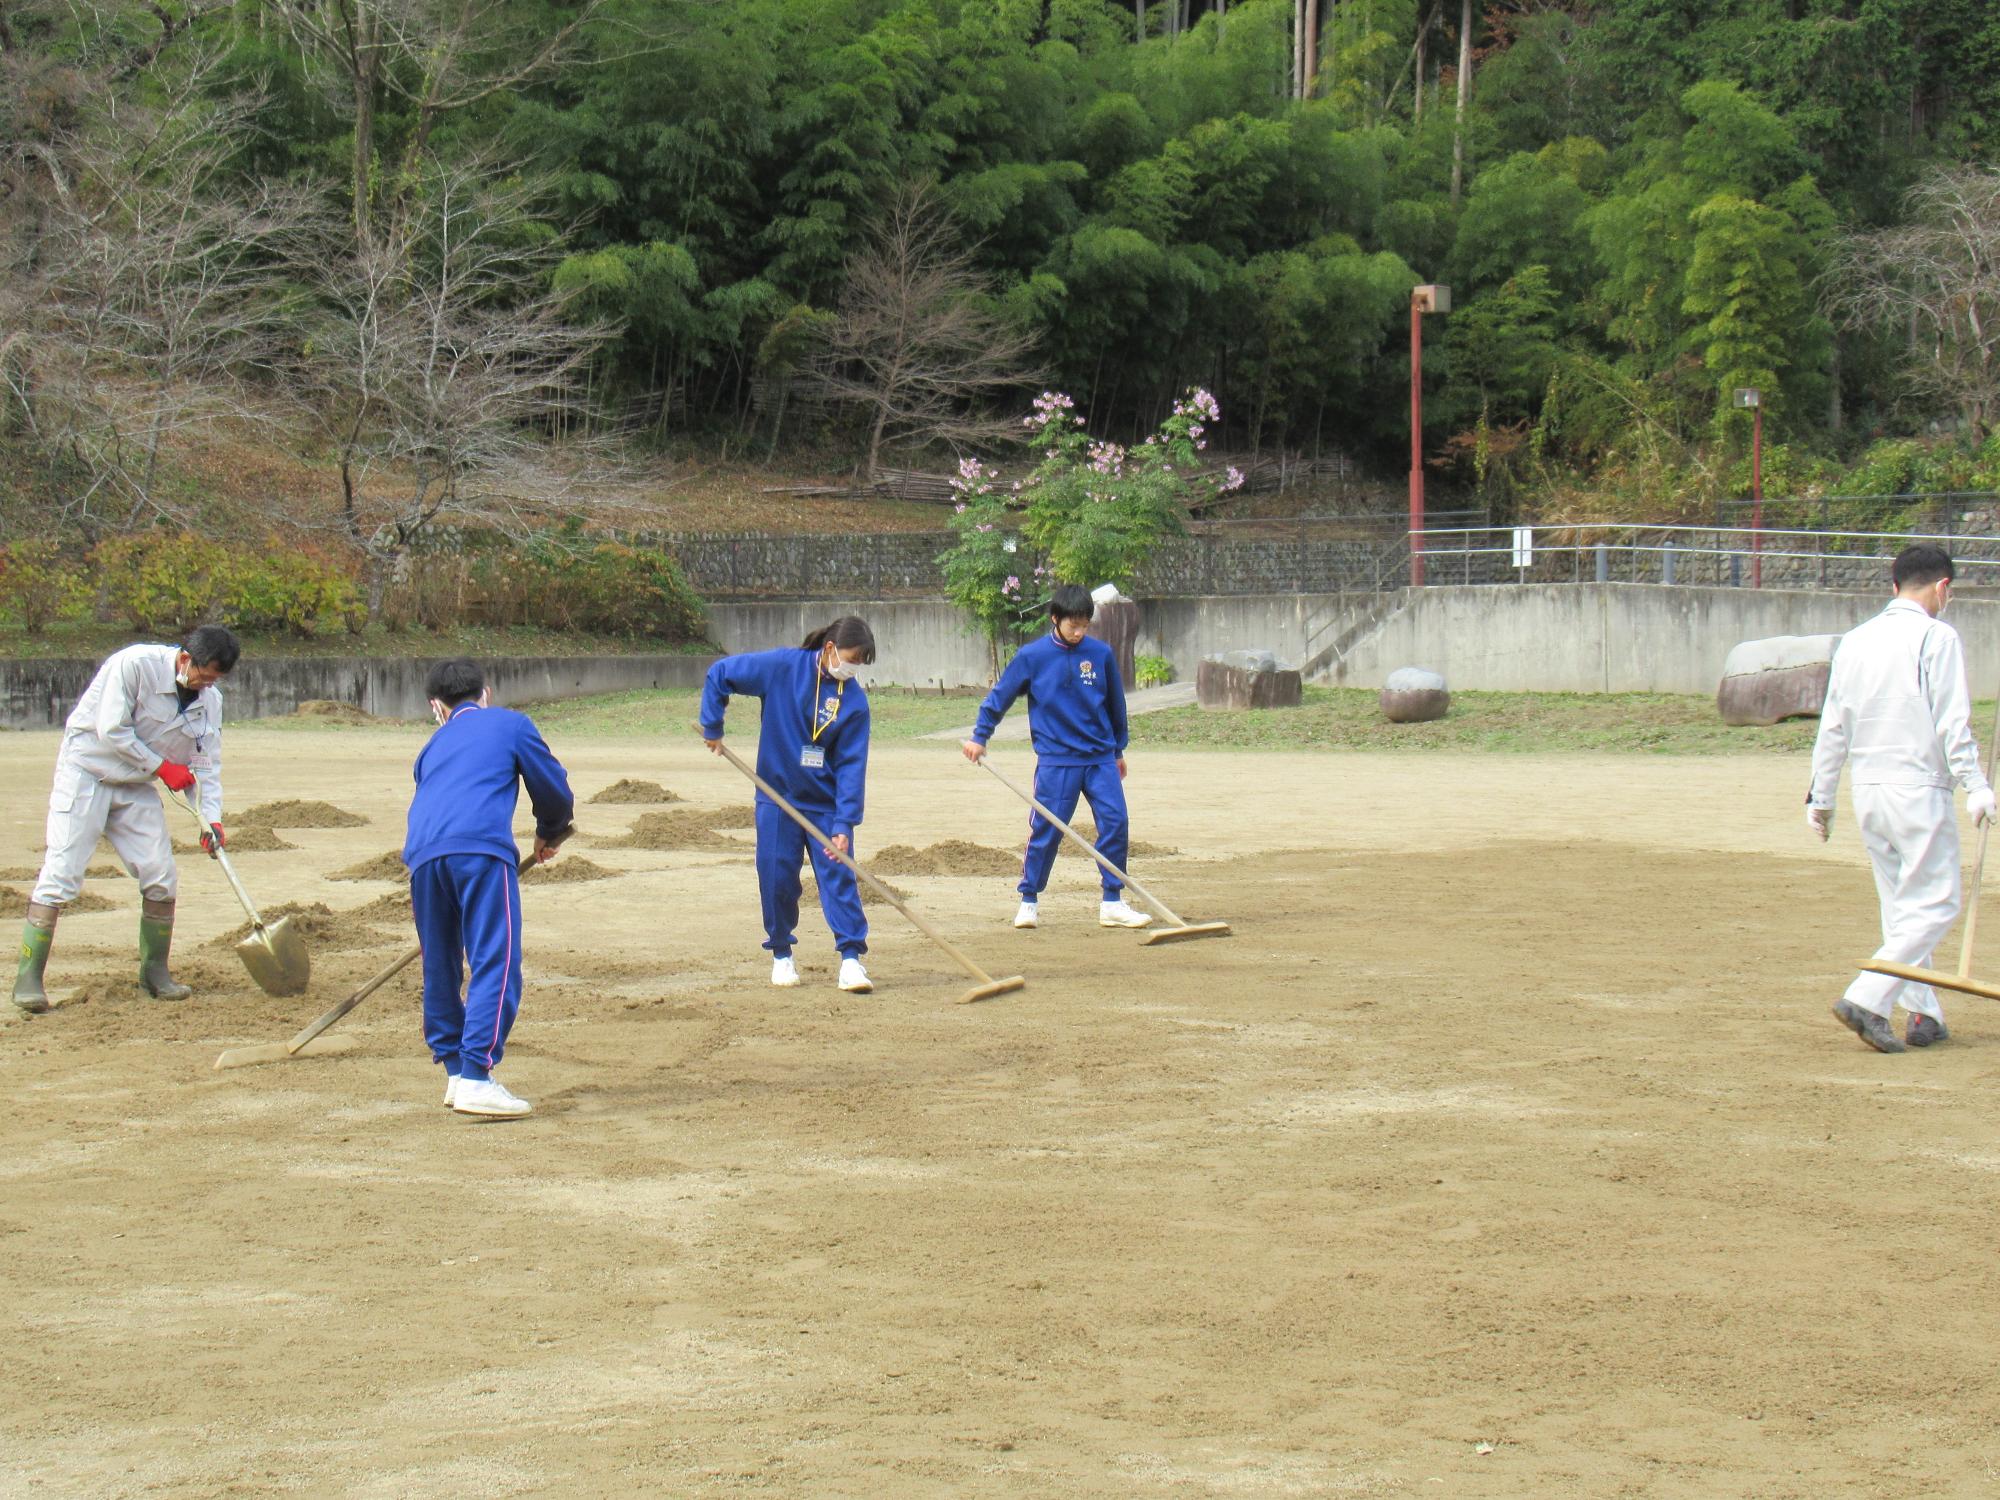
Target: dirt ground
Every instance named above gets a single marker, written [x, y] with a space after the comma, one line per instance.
[1507, 1149]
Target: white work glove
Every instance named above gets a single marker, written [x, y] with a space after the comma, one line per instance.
[1980, 805]
[1820, 821]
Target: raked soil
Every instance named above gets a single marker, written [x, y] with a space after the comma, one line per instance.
[1506, 1150]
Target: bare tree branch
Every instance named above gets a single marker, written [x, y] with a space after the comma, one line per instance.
[915, 344]
[1935, 280]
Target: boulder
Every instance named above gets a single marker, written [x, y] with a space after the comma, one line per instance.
[1246, 679]
[1412, 695]
[1779, 677]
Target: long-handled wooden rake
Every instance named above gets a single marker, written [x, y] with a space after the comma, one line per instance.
[309, 1042]
[985, 989]
[1179, 932]
[1962, 981]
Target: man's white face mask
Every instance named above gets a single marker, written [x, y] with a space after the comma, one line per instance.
[439, 713]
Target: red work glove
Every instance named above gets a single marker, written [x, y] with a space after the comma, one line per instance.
[212, 840]
[176, 778]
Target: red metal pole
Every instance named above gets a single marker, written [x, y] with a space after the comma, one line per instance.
[1757, 497]
[1416, 444]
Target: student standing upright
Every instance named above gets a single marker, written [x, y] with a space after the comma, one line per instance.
[813, 747]
[465, 887]
[1076, 718]
[1898, 708]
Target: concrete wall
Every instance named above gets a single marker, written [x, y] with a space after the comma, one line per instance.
[40, 694]
[918, 642]
[925, 642]
[1617, 637]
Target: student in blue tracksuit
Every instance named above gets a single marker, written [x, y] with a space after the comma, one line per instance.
[1076, 718]
[465, 886]
[814, 749]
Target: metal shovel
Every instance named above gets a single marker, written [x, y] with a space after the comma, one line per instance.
[274, 954]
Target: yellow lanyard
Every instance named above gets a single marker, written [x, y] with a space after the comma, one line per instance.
[821, 725]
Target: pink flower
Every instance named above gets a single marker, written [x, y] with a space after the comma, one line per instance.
[1012, 585]
[1233, 480]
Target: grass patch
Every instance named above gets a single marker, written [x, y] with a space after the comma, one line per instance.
[894, 714]
[96, 642]
[1329, 719]
[1540, 723]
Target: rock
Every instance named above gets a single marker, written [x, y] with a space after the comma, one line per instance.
[1413, 695]
[1246, 679]
[1249, 661]
[1779, 677]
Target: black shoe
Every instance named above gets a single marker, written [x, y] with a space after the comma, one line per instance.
[1871, 1028]
[1921, 1031]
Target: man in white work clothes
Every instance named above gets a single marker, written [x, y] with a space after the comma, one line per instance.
[1898, 707]
[151, 713]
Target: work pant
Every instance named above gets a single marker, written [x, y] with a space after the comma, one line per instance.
[81, 810]
[782, 847]
[468, 911]
[1057, 788]
[1911, 834]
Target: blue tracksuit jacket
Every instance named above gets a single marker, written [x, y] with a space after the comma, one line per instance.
[1076, 702]
[797, 698]
[464, 892]
[469, 778]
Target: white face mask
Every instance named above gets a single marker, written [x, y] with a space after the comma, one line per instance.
[842, 671]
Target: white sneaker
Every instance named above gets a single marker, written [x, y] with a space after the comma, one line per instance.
[450, 1089]
[1030, 915]
[785, 973]
[853, 978]
[488, 1097]
[1118, 914]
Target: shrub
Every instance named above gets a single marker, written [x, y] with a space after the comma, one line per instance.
[162, 582]
[555, 581]
[284, 589]
[42, 580]
[1152, 671]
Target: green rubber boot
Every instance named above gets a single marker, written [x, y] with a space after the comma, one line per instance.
[156, 938]
[37, 934]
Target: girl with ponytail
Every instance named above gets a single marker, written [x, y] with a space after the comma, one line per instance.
[813, 747]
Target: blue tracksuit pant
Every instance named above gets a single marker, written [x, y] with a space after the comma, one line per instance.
[1057, 788]
[781, 848]
[468, 909]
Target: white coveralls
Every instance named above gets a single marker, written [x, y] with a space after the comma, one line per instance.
[1898, 708]
[128, 721]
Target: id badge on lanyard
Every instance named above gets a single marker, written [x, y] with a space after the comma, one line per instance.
[813, 756]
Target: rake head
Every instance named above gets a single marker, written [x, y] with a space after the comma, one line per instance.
[263, 1052]
[1185, 934]
[993, 987]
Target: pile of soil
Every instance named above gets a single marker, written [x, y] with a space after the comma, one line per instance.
[209, 981]
[14, 902]
[292, 813]
[323, 929]
[328, 711]
[685, 828]
[391, 906]
[1139, 849]
[385, 866]
[809, 896]
[243, 838]
[627, 790]
[566, 869]
[33, 872]
[952, 857]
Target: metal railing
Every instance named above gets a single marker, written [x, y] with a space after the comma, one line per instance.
[1726, 556]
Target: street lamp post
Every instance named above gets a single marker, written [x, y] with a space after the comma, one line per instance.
[1752, 398]
[1423, 299]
